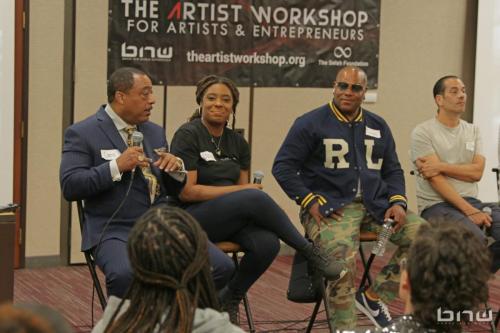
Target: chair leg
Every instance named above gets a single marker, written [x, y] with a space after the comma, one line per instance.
[246, 303]
[497, 319]
[493, 329]
[327, 304]
[95, 280]
[248, 312]
[313, 316]
[366, 268]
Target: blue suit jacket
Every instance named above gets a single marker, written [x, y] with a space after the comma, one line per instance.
[85, 175]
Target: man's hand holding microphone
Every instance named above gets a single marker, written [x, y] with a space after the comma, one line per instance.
[134, 156]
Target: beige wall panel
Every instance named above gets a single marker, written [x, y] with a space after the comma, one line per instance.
[44, 127]
[420, 42]
[91, 42]
[157, 114]
[180, 104]
[90, 80]
[243, 111]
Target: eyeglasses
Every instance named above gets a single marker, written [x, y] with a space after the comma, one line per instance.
[355, 88]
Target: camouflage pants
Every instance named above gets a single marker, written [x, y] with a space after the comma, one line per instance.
[340, 239]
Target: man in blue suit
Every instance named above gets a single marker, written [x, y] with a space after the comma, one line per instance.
[103, 167]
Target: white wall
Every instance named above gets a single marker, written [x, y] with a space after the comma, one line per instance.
[45, 113]
[7, 14]
[487, 91]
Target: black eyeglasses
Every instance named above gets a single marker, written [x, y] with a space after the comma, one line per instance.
[355, 88]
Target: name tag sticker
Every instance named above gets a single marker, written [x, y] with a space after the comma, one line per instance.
[471, 145]
[374, 133]
[110, 154]
[207, 156]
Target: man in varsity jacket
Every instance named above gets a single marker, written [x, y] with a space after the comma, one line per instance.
[339, 163]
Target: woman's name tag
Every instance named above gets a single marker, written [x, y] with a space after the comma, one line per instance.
[207, 156]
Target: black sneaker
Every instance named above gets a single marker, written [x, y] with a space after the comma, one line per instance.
[331, 269]
[230, 303]
[376, 311]
[233, 309]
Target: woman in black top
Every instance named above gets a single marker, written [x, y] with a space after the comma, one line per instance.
[217, 192]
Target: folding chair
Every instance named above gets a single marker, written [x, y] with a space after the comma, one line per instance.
[364, 237]
[234, 249]
[89, 258]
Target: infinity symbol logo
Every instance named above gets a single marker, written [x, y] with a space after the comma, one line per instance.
[340, 52]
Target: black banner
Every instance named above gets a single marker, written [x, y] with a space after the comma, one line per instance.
[269, 43]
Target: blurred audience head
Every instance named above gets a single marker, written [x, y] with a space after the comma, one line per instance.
[447, 270]
[31, 318]
[168, 253]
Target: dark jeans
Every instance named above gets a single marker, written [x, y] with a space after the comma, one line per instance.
[252, 219]
[447, 211]
[113, 260]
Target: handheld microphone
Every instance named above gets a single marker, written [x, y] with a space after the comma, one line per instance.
[383, 237]
[257, 177]
[137, 139]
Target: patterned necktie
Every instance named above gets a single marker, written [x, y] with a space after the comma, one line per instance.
[153, 186]
[129, 130]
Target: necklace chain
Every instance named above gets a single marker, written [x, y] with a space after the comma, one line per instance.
[217, 145]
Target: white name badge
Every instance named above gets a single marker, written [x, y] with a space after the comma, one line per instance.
[110, 154]
[207, 156]
[471, 145]
[374, 133]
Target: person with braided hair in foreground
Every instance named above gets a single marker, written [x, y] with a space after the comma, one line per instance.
[172, 288]
[446, 272]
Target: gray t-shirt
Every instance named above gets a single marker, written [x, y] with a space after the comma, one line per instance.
[456, 145]
[205, 320]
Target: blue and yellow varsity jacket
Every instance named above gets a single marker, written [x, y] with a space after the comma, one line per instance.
[324, 156]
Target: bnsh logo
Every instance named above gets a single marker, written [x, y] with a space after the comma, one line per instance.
[342, 52]
[147, 52]
[450, 316]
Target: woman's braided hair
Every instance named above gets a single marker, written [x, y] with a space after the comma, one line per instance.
[209, 80]
[171, 273]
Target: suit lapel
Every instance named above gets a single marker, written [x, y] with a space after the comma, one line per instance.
[109, 129]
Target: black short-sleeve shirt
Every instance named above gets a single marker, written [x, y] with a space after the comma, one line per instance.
[198, 149]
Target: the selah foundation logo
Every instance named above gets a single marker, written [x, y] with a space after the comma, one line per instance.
[146, 53]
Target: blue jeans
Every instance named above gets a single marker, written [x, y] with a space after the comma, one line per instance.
[444, 210]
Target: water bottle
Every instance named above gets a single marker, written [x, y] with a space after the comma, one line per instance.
[383, 236]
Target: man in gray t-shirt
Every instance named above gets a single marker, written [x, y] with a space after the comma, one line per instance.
[447, 152]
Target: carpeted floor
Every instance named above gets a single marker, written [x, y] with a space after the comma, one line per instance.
[69, 290]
